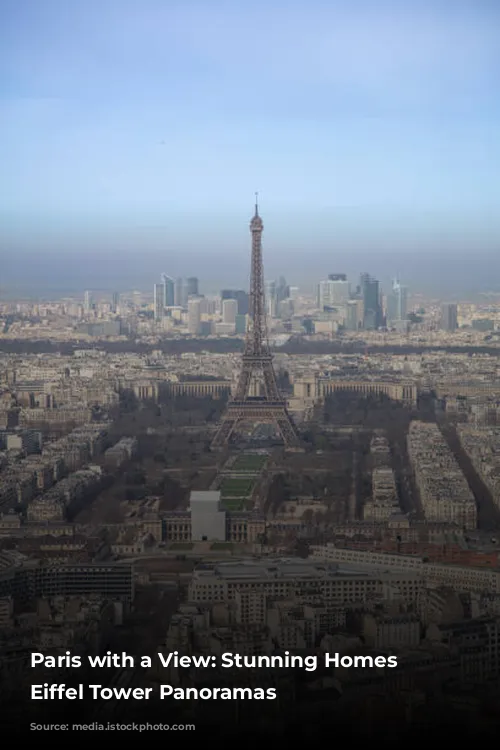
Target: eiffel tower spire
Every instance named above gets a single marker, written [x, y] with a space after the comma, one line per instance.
[257, 361]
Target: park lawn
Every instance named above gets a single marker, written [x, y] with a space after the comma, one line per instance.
[222, 546]
[233, 504]
[249, 462]
[236, 487]
[182, 545]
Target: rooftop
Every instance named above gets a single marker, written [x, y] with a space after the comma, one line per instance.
[289, 568]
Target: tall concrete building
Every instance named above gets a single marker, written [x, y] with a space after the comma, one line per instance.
[88, 302]
[192, 287]
[158, 301]
[194, 316]
[397, 303]
[352, 318]
[241, 324]
[333, 292]
[370, 291]
[229, 311]
[271, 297]
[449, 317]
[337, 277]
[208, 521]
[240, 296]
[180, 296]
[169, 290]
[282, 290]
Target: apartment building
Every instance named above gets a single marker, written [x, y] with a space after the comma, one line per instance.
[443, 490]
[384, 500]
[459, 577]
[288, 578]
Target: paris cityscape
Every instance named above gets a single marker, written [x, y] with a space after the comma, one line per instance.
[260, 471]
[250, 442]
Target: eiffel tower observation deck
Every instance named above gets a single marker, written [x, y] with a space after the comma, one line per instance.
[257, 364]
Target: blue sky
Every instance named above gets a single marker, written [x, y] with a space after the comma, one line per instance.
[149, 124]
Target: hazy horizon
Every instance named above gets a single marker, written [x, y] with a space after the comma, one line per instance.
[52, 275]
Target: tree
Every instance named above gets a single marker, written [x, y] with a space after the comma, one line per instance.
[135, 477]
[307, 516]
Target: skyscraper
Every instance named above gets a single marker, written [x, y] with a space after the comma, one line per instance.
[240, 296]
[271, 298]
[194, 316]
[397, 303]
[192, 287]
[115, 301]
[180, 298]
[337, 277]
[87, 301]
[158, 301]
[169, 290]
[282, 290]
[449, 317]
[352, 317]
[370, 291]
[229, 311]
[333, 292]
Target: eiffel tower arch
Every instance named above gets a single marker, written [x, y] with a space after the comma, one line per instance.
[264, 404]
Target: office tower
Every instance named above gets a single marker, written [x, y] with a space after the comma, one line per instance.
[282, 290]
[352, 318]
[257, 364]
[240, 296]
[333, 292]
[449, 317]
[337, 277]
[229, 311]
[208, 305]
[241, 324]
[169, 290]
[285, 309]
[88, 303]
[158, 299]
[271, 298]
[192, 287]
[115, 301]
[370, 291]
[194, 316]
[397, 303]
[180, 298]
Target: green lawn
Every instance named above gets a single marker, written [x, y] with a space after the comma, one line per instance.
[236, 487]
[222, 545]
[182, 545]
[250, 462]
[233, 504]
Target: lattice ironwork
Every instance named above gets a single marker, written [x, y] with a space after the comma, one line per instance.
[257, 363]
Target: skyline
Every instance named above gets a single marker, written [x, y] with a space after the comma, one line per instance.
[132, 127]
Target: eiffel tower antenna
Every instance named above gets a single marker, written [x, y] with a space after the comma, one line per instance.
[257, 362]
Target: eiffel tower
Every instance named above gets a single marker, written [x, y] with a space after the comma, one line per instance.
[257, 364]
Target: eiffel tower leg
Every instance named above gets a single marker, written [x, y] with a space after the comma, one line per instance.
[224, 432]
[243, 386]
[270, 385]
[287, 431]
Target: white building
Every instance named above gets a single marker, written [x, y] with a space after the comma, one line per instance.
[229, 311]
[208, 521]
[333, 293]
[194, 316]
